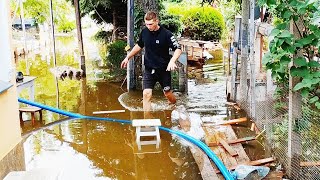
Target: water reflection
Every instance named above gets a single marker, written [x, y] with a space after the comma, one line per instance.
[86, 149]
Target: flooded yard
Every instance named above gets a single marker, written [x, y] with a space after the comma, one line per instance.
[91, 149]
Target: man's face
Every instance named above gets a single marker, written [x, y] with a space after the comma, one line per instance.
[152, 25]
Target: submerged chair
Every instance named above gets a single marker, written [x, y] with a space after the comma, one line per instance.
[145, 128]
[31, 110]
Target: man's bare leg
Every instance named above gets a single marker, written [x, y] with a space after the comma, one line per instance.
[147, 94]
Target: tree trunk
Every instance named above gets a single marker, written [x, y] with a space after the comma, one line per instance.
[115, 25]
[148, 5]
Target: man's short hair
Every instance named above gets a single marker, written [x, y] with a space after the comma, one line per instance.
[150, 15]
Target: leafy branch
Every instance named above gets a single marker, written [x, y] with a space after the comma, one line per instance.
[285, 47]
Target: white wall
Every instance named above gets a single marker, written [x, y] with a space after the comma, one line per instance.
[6, 68]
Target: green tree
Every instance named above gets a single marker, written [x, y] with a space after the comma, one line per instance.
[40, 11]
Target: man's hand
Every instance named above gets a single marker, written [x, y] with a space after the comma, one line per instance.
[124, 63]
[171, 66]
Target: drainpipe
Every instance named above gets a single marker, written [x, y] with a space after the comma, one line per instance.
[131, 84]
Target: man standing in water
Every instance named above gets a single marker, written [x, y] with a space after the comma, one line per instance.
[156, 40]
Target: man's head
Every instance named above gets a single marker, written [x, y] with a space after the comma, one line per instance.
[151, 20]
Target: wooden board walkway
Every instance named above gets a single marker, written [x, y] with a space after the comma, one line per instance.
[222, 140]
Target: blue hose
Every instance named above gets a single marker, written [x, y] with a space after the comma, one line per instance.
[224, 171]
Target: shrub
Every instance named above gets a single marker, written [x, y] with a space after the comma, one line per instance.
[203, 23]
[116, 53]
[103, 36]
[171, 22]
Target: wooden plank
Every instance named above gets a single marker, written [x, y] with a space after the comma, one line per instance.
[228, 148]
[108, 112]
[274, 175]
[235, 141]
[252, 163]
[307, 164]
[204, 164]
[228, 160]
[209, 135]
[229, 122]
[243, 157]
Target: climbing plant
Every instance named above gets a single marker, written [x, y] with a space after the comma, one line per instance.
[301, 50]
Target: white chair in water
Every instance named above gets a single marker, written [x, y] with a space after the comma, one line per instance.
[145, 128]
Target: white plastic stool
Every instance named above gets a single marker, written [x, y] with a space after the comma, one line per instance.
[147, 127]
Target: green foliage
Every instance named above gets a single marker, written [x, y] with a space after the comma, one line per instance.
[116, 53]
[40, 11]
[37, 9]
[65, 25]
[103, 36]
[285, 47]
[105, 11]
[138, 20]
[203, 23]
[176, 1]
[171, 22]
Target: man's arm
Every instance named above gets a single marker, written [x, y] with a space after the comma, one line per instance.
[133, 52]
[172, 64]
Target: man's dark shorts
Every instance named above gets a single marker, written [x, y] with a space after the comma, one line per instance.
[151, 77]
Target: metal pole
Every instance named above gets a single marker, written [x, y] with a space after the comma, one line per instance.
[79, 33]
[252, 61]
[53, 36]
[25, 50]
[234, 64]
[131, 84]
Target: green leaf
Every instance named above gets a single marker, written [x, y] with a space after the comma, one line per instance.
[294, 71]
[287, 14]
[317, 105]
[302, 10]
[307, 40]
[291, 49]
[300, 61]
[299, 86]
[304, 93]
[313, 27]
[298, 45]
[274, 32]
[271, 2]
[293, 3]
[285, 60]
[279, 42]
[313, 64]
[299, 71]
[266, 58]
[282, 26]
[314, 99]
[285, 34]
[316, 74]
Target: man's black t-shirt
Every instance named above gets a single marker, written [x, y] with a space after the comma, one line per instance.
[157, 44]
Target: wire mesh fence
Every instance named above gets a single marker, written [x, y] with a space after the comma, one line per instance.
[295, 143]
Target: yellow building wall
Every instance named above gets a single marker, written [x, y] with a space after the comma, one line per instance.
[10, 131]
